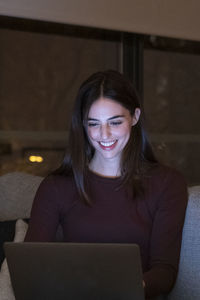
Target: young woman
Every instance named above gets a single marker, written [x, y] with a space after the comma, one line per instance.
[110, 187]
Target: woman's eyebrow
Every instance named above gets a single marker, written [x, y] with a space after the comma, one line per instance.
[92, 119]
[114, 117]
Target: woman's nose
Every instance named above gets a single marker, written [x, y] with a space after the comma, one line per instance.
[105, 131]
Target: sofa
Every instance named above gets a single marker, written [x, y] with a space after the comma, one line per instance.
[17, 192]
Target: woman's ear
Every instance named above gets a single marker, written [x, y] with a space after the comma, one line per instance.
[136, 116]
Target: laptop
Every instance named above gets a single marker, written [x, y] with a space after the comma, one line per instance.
[75, 271]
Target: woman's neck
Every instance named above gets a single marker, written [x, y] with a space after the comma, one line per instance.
[108, 168]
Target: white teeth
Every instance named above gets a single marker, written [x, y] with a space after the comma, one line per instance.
[108, 144]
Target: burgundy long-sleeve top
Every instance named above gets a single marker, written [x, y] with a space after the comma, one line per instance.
[154, 220]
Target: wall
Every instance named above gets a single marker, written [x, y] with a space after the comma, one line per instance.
[179, 18]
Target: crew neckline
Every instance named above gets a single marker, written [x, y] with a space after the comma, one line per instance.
[105, 179]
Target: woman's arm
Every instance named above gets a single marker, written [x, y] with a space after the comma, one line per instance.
[166, 236]
[44, 218]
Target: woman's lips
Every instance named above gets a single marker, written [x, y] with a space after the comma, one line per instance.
[108, 145]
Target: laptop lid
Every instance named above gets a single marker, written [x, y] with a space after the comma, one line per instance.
[75, 271]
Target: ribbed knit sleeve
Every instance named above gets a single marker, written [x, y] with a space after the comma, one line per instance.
[166, 234]
[44, 214]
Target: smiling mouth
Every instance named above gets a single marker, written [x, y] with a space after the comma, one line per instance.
[108, 145]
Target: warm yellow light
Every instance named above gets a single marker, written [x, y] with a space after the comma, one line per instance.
[39, 159]
[34, 158]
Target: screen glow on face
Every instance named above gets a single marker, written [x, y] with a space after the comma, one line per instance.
[109, 126]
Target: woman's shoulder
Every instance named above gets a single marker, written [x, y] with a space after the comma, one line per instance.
[162, 179]
[59, 178]
[164, 173]
[58, 183]
[165, 187]
[57, 191]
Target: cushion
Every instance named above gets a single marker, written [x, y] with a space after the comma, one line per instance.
[187, 286]
[6, 291]
[17, 191]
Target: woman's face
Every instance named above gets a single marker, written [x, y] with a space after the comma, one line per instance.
[108, 127]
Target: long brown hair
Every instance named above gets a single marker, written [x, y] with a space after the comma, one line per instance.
[137, 155]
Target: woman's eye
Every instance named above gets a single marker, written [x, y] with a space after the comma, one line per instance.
[93, 124]
[115, 123]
